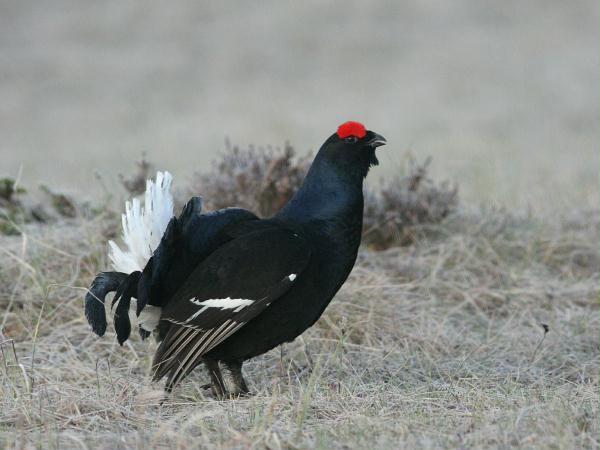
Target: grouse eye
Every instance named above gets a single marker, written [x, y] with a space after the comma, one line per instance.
[351, 139]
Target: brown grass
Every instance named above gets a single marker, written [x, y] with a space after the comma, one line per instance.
[440, 344]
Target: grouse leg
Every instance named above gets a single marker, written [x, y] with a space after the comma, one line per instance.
[235, 380]
[217, 385]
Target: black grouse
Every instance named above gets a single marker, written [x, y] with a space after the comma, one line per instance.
[226, 286]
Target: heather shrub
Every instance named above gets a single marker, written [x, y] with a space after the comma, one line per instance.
[259, 179]
[406, 206]
[135, 183]
[17, 208]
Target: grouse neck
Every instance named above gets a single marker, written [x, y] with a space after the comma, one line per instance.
[328, 192]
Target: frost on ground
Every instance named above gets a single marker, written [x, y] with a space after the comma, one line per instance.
[483, 334]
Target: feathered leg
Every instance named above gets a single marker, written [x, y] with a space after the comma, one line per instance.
[235, 380]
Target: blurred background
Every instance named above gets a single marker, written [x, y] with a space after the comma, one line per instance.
[502, 95]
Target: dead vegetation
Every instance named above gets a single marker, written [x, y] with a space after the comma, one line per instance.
[437, 344]
[479, 331]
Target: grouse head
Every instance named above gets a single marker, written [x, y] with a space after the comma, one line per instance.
[352, 148]
[334, 183]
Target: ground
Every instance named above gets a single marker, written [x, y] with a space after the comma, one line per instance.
[483, 334]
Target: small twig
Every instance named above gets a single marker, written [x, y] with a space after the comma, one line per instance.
[112, 383]
[98, 376]
[35, 341]
[546, 328]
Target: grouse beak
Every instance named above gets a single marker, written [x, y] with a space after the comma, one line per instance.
[376, 141]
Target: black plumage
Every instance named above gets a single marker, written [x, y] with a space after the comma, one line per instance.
[232, 286]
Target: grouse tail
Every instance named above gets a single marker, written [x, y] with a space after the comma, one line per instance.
[143, 228]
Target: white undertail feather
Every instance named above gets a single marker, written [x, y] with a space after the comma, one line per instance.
[143, 226]
[149, 317]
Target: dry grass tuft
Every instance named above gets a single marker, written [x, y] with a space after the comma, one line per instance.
[439, 344]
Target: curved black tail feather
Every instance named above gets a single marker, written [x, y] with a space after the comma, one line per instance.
[104, 283]
[126, 290]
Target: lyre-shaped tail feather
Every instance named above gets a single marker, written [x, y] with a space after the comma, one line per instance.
[143, 226]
